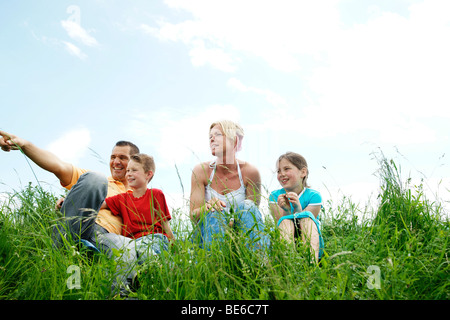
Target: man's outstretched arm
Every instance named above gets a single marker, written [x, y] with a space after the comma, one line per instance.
[43, 158]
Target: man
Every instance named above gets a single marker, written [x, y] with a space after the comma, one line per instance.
[83, 219]
[87, 192]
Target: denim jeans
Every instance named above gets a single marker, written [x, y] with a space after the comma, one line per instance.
[80, 209]
[247, 220]
[151, 245]
[130, 253]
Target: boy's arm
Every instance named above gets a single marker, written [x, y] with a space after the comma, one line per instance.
[104, 206]
[43, 158]
[112, 204]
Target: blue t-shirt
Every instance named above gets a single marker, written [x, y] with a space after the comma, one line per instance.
[307, 197]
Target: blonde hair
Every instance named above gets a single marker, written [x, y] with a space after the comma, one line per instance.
[145, 160]
[297, 160]
[232, 130]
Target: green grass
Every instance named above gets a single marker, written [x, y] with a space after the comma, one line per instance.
[406, 239]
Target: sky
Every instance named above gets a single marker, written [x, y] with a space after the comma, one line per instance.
[342, 82]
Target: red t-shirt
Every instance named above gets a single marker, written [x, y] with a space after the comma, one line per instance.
[141, 216]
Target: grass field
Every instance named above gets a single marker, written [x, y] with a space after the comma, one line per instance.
[401, 252]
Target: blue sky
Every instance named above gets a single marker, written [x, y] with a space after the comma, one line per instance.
[334, 80]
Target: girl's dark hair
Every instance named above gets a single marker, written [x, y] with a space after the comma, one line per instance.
[297, 160]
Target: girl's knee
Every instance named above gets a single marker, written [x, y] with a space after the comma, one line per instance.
[308, 226]
[307, 222]
[286, 224]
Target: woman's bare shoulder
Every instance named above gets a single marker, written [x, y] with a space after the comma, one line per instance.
[249, 170]
[201, 170]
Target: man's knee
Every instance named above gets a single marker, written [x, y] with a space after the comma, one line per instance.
[94, 180]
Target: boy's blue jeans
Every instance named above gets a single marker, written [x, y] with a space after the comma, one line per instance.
[247, 219]
[130, 253]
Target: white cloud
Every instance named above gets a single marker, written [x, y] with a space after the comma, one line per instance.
[216, 57]
[276, 31]
[77, 32]
[270, 96]
[383, 76]
[4, 200]
[185, 138]
[72, 145]
[201, 53]
[56, 43]
[177, 138]
[386, 75]
[407, 132]
[74, 50]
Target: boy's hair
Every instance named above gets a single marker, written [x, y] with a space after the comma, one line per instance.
[297, 160]
[145, 160]
[231, 130]
[133, 148]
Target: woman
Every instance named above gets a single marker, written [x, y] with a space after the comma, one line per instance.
[226, 191]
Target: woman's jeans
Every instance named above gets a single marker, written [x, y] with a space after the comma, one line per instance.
[247, 221]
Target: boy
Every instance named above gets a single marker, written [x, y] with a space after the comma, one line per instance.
[144, 211]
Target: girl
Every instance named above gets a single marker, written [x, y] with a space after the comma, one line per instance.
[296, 206]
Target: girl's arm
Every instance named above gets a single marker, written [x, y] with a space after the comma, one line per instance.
[167, 230]
[281, 207]
[292, 197]
[314, 209]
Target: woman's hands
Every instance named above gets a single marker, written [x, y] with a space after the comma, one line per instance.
[214, 205]
[211, 205]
